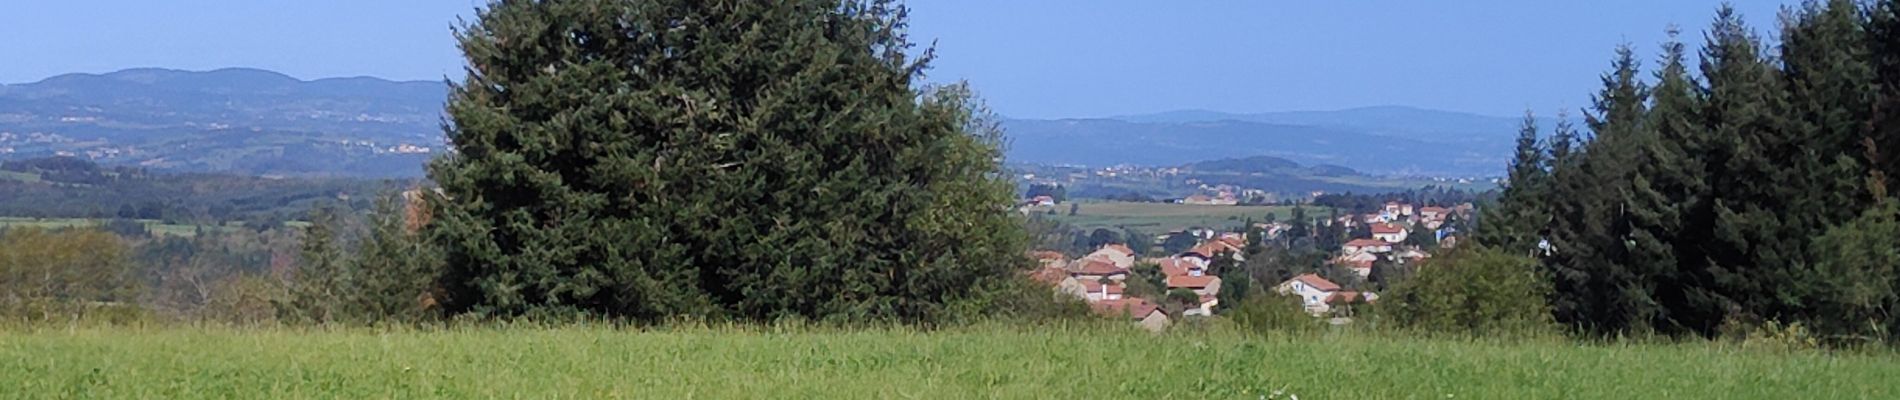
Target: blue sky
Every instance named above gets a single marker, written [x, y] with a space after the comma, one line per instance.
[1041, 58]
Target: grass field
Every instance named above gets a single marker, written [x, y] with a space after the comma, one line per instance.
[993, 362]
[19, 176]
[1159, 218]
[155, 226]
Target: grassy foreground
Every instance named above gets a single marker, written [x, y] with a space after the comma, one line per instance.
[990, 362]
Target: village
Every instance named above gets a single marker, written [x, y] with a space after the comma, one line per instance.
[1190, 285]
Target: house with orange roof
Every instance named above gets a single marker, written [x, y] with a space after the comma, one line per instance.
[1389, 232]
[1094, 269]
[1144, 313]
[1312, 290]
[1363, 246]
[1098, 291]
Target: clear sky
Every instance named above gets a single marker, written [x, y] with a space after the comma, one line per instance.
[1040, 58]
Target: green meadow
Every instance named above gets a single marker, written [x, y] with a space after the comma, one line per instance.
[991, 361]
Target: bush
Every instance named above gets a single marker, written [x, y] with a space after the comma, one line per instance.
[66, 274]
[1473, 290]
[1267, 313]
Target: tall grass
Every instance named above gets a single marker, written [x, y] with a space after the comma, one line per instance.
[1068, 360]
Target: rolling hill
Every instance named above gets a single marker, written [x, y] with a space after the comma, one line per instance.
[230, 120]
[257, 122]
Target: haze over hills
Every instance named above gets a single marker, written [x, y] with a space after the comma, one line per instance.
[264, 123]
[230, 120]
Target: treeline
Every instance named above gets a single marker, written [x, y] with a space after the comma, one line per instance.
[1740, 187]
[65, 187]
[1429, 196]
[345, 267]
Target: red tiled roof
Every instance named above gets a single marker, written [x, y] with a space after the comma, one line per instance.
[1174, 267]
[1186, 281]
[1120, 248]
[1387, 228]
[1096, 287]
[1129, 308]
[1093, 266]
[1367, 243]
[1317, 282]
[1049, 275]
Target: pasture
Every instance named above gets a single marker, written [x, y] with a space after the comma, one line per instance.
[1084, 361]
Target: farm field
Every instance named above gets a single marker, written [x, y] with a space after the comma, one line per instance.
[1159, 218]
[992, 362]
[156, 227]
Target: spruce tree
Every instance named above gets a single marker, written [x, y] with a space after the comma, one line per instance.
[1752, 270]
[1669, 200]
[1590, 227]
[1510, 222]
[751, 160]
[1883, 39]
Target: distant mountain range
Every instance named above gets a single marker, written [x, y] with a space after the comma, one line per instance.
[1382, 140]
[231, 120]
[259, 122]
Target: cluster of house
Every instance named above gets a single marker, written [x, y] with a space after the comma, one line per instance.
[1101, 279]
[1222, 195]
[1390, 226]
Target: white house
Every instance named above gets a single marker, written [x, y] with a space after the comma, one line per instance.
[1389, 232]
[1313, 290]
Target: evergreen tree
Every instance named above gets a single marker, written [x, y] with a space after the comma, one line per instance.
[753, 160]
[1669, 200]
[1511, 222]
[1752, 266]
[397, 269]
[320, 288]
[1883, 38]
[1589, 230]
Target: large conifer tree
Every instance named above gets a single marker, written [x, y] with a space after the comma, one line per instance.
[1667, 193]
[1512, 221]
[1751, 269]
[753, 160]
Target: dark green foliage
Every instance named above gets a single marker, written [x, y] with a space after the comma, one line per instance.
[1141, 243]
[1058, 192]
[1473, 290]
[752, 160]
[1883, 38]
[1265, 313]
[323, 280]
[1860, 265]
[1514, 221]
[1179, 242]
[1697, 207]
[396, 269]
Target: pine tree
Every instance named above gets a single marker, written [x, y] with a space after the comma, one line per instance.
[321, 287]
[1595, 287]
[1510, 222]
[1667, 193]
[1752, 271]
[752, 160]
[1883, 38]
